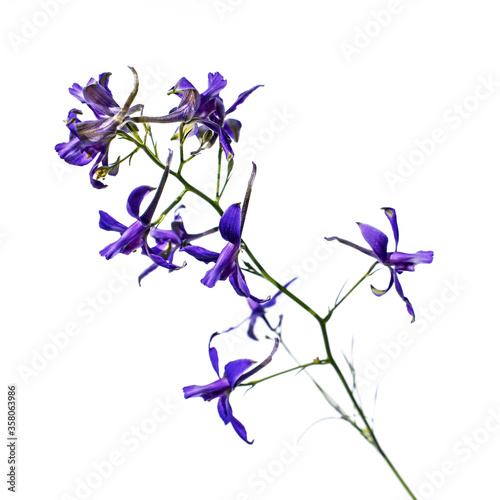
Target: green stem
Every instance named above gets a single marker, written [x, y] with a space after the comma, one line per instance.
[181, 147]
[169, 208]
[279, 286]
[312, 363]
[189, 187]
[327, 396]
[217, 195]
[337, 304]
[368, 432]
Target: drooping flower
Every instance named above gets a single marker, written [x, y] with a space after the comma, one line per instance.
[205, 112]
[226, 262]
[134, 236]
[168, 241]
[90, 140]
[397, 262]
[259, 311]
[235, 373]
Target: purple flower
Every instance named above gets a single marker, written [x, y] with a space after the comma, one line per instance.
[134, 237]
[235, 372]
[396, 261]
[168, 242]
[226, 262]
[91, 139]
[205, 112]
[259, 311]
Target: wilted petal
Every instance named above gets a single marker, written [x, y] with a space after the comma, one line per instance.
[100, 100]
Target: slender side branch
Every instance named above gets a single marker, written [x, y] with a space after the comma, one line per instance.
[337, 304]
[300, 367]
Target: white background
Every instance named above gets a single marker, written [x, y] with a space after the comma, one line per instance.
[338, 111]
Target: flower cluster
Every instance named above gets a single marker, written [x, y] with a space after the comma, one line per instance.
[200, 117]
[91, 139]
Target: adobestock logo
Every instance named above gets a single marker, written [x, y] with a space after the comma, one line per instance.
[130, 441]
[265, 476]
[249, 147]
[392, 350]
[88, 310]
[30, 27]
[453, 118]
[223, 7]
[365, 34]
[465, 448]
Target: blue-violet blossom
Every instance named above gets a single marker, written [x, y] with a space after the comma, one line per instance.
[235, 373]
[259, 311]
[226, 262]
[91, 139]
[134, 237]
[205, 111]
[397, 262]
[168, 241]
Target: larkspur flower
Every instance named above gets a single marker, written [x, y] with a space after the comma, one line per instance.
[235, 373]
[397, 262]
[168, 241]
[90, 140]
[134, 237]
[259, 311]
[204, 113]
[226, 262]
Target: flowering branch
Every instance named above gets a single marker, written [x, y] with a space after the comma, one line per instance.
[203, 116]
